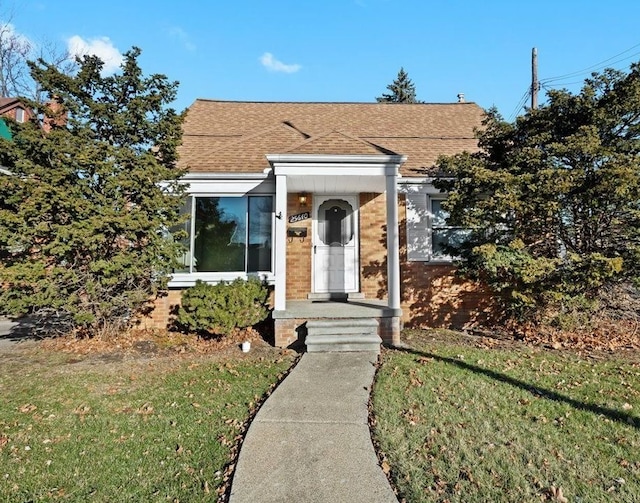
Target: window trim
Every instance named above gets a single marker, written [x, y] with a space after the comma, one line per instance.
[188, 278]
[432, 228]
[420, 225]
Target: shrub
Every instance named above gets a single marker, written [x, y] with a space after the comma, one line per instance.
[223, 307]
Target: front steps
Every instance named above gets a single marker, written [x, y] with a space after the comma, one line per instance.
[346, 334]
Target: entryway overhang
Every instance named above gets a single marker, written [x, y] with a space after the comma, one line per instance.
[337, 174]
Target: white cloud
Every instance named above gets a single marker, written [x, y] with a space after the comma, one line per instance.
[101, 47]
[9, 36]
[273, 65]
[183, 37]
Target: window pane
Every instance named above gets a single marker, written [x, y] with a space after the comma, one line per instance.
[440, 215]
[185, 258]
[447, 237]
[220, 234]
[260, 222]
[335, 222]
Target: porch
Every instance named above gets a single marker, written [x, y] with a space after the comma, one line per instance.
[330, 261]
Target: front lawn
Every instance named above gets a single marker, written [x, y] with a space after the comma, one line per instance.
[125, 428]
[467, 419]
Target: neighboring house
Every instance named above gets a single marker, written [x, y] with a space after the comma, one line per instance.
[15, 109]
[302, 194]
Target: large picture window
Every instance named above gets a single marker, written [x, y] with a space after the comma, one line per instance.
[228, 234]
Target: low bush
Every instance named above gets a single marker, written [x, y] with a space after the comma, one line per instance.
[223, 307]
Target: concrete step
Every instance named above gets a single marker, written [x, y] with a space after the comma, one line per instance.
[355, 334]
[343, 326]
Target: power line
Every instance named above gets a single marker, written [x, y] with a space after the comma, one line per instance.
[597, 66]
[520, 105]
[560, 80]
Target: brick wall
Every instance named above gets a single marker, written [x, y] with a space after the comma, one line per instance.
[433, 295]
[299, 252]
[163, 308]
[373, 245]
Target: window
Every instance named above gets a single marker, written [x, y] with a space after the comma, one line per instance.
[335, 222]
[19, 114]
[442, 234]
[428, 232]
[228, 234]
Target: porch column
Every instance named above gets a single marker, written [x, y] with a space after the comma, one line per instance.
[392, 328]
[393, 242]
[280, 294]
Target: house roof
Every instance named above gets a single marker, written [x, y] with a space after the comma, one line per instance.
[233, 136]
[7, 104]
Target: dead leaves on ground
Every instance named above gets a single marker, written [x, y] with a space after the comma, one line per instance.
[606, 336]
[154, 342]
[555, 494]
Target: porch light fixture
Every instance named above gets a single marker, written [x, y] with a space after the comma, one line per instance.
[303, 198]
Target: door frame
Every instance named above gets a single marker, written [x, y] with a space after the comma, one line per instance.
[354, 200]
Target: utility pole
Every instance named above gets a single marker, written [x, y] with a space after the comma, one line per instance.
[534, 79]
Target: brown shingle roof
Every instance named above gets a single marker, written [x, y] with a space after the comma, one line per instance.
[229, 136]
[336, 142]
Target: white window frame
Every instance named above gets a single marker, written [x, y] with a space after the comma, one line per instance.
[433, 227]
[213, 185]
[20, 114]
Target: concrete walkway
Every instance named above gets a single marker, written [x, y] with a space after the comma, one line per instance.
[310, 441]
[12, 333]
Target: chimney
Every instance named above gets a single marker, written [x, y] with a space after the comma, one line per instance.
[55, 114]
[460, 97]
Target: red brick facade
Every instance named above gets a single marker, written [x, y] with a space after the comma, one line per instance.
[163, 309]
[373, 247]
[299, 252]
[433, 295]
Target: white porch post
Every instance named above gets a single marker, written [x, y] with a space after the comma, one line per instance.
[393, 242]
[280, 300]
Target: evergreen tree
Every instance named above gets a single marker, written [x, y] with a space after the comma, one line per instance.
[402, 90]
[93, 190]
[553, 199]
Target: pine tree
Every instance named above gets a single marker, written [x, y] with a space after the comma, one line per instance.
[552, 199]
[402, 90]
[84, 217]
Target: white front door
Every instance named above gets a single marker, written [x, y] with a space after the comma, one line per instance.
[335, 244]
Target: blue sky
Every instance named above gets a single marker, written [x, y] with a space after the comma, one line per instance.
[346, 50]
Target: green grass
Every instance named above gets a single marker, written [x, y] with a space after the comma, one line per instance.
[462, 423]
[157, 429]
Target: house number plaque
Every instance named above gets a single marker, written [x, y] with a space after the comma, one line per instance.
[299, 217]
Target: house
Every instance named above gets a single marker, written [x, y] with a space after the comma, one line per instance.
[328, 202]
[14, 109]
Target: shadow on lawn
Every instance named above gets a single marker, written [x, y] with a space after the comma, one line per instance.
[612, 414]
